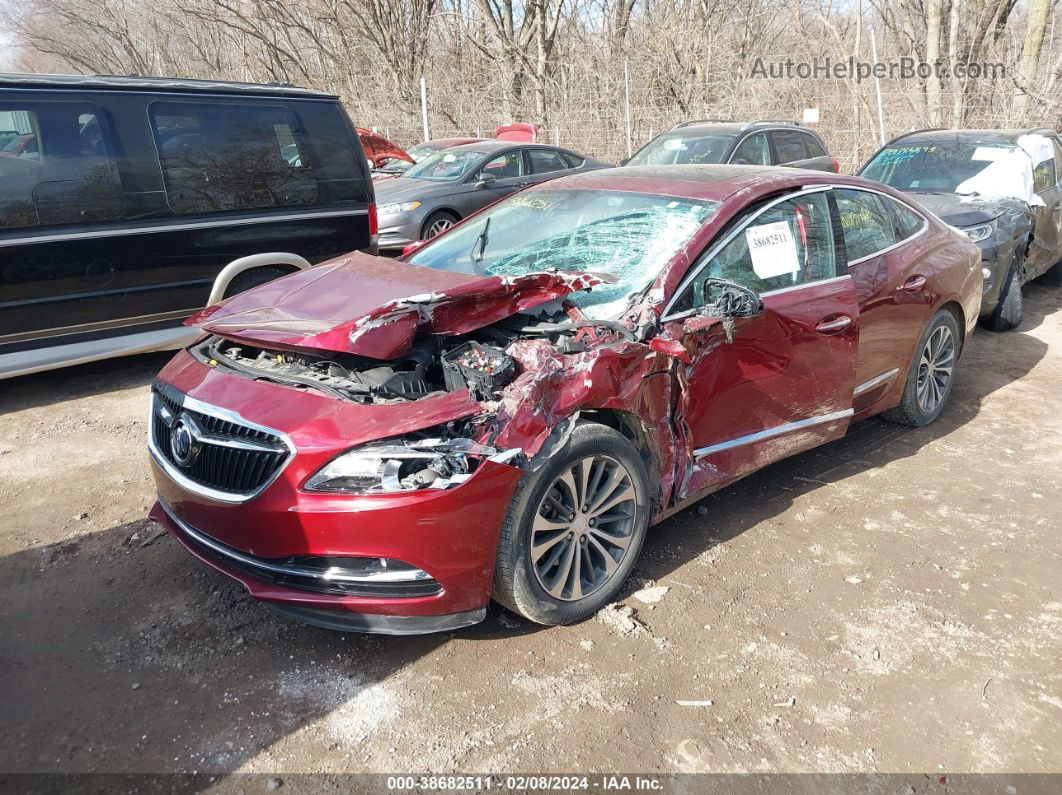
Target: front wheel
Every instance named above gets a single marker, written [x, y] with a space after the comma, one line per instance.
[1008, 313]
[574, 530]
[930, 376]
[437, 223]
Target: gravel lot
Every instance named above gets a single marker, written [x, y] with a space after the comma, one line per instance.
[890, 602]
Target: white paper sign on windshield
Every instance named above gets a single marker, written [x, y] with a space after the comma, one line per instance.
[773, 250]
[991, 153]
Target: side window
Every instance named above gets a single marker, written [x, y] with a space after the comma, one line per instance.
[907, 220]
[57, 165]
[231, 157]
[1044, 175]
[752, 151]
[788, 245]
[506, 166]
[573, 160]
[546, 160]
[812, 146]
[788, 146]
[866, 223]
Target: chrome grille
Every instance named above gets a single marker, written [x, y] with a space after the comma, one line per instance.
[211, 450]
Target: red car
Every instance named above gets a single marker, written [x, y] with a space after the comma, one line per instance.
[385, 446]
[379, 150]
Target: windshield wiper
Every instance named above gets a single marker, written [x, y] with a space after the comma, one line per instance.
[479, 247]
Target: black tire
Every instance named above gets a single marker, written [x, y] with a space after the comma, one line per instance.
[253, 278]
[1008, 311]
[518, 582]
[437, 223]
[912, 410]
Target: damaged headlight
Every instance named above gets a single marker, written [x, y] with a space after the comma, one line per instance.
[399, 207]
[980, 232]
[402, 465]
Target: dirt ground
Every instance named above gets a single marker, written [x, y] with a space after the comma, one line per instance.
[890, 602]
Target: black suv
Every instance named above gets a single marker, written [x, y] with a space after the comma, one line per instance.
[123, 199]
[754, 143]
[1001, 187]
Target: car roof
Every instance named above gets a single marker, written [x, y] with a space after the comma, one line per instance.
[155, 84]
[733, 127]
[970, 136]
[707, 182]
[447, 143]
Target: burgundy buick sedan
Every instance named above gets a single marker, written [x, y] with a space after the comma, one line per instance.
[386, 446]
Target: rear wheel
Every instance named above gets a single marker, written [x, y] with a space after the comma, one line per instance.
[1008, 312]
[574, 530]
[253, 278]
[930, 376]
[437, 223]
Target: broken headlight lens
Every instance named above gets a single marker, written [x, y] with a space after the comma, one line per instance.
[400, 465]
[399, 207]
[980, 232]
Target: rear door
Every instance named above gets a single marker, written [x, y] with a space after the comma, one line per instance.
[890, 282]
[784, 383]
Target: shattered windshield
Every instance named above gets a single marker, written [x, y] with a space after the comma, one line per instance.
[940, 167]
[629, 236]
[446, 166]
[682, 149]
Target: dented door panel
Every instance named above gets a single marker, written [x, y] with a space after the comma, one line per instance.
[783, 385]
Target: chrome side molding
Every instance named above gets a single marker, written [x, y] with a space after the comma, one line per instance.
[770, 433]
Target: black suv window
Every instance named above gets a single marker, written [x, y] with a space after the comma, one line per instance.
[546, 160]
[866, 223]
[813, 147]
[231, 157]
[788, 145]
[753, 151]
[57, 165]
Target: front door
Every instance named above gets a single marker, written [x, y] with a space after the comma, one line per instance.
[784, 382]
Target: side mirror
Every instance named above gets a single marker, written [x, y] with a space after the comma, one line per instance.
[485, 180]
[727, 300]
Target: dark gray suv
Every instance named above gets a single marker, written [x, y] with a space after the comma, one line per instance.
[754, 143]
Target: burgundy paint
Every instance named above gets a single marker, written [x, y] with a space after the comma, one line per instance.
[687, 387]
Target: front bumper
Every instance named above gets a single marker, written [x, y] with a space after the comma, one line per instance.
[398, 231]
[450, 535]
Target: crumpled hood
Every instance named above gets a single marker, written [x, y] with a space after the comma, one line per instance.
[964, 211]
[374, 307]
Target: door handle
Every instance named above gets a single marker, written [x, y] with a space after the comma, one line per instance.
[914, 284]
[833, 326]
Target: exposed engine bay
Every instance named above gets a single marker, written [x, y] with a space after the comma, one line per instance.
[433, 364]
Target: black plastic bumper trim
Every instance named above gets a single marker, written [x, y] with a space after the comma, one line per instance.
[374, 623]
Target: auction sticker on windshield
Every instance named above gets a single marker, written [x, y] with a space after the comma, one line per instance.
[773, 249]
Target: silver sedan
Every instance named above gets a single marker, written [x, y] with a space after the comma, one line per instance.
[453, 183]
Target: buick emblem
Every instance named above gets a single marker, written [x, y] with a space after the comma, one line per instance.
[183, 442]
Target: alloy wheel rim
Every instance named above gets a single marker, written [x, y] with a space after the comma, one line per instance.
[439, 227]
[583, 527]
[935, 366]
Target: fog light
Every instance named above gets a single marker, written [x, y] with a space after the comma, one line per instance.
[987, 274]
